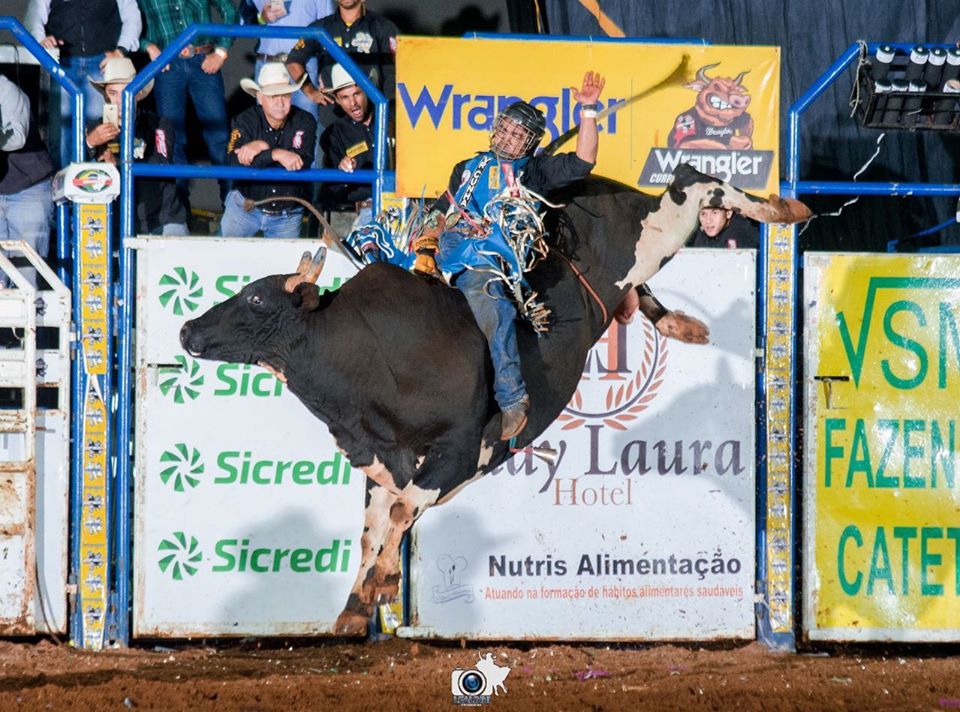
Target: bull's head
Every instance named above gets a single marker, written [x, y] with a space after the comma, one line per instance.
[250, 326]
[720, 100]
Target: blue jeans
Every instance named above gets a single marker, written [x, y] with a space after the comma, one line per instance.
[185, 77]
[81, 70]
[495, 316]
[26, 216]
[236, 222]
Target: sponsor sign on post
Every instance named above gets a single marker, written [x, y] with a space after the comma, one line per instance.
[248, 518]
[644, 526]
[882, 540]
[721, 115]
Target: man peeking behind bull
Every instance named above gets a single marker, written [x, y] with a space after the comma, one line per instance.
[464, 243]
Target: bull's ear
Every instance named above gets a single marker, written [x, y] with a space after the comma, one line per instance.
[306, 297]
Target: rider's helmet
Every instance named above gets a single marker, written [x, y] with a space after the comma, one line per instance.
[517, 131]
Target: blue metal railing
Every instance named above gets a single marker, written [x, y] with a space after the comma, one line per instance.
[65, 257]
[129, 170]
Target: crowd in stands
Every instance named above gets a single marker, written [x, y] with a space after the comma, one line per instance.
[309, 111]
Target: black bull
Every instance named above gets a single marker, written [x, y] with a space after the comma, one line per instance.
[399, 372]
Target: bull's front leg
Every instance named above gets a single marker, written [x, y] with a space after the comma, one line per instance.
[383, 583]
[355, 617]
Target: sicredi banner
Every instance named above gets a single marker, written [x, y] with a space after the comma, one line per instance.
[643, 528]
[248, 518]
[881, 532]
[719, 114]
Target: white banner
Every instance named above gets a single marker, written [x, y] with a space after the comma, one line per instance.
[248, 519]
[644, 528]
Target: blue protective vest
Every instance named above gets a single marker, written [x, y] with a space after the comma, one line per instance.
[464, 245]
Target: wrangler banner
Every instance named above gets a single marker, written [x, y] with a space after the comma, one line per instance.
[714, 107]
[882, 531]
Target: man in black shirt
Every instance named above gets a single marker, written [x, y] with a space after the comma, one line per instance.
[720, 227]
[273, 134]
[368, 37]
[160, 210]
[348, 143]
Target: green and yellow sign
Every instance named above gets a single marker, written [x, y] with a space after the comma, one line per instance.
[882, 540]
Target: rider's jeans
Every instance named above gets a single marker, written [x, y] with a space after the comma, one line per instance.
[495, 316]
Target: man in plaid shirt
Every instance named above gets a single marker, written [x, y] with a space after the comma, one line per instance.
[195, 72]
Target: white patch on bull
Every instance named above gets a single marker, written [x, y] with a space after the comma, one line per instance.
[486, 455]
[667, 229]
[277, 374]
[379, 473]
[663, 232]
[420, 461]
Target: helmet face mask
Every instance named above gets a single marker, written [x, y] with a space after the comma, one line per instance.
[517, 131]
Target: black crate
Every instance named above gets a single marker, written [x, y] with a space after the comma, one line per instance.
[904, 110]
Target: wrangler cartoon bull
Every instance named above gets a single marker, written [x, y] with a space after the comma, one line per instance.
[396, 367]
[719, 119]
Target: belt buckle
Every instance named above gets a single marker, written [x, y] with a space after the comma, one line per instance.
[188, 52]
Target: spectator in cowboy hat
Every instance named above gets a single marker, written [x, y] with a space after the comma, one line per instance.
[349, 143]
[284, 13]
[160, 211]
[82, 36]
[272, 134]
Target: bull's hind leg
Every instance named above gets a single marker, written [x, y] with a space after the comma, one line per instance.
[666, 229]
[356, 614]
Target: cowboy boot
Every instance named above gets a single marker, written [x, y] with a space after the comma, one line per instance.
[514, 420]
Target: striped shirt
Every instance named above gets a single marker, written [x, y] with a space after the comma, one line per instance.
[165, 19]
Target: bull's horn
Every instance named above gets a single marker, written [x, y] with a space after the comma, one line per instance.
[316, 266]
[741, 76]
[305, 261]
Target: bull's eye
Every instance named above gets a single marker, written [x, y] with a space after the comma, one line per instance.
[255, 299]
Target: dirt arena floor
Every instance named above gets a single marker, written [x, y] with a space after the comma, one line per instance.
[404, 675]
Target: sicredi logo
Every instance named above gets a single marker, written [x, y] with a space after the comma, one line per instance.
[179, 291]
[178, 557]
[182, 381]
[182, 467]
[182, 556]
[185, 381]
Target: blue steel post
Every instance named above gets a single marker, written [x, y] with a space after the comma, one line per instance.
[121, 608]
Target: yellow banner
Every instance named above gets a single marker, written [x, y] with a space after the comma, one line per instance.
[885, 522]
[720, 113]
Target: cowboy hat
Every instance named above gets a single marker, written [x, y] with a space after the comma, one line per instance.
[119, 70]
[273, 80]
[339, 79]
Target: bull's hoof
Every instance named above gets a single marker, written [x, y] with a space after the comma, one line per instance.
[351, 624]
